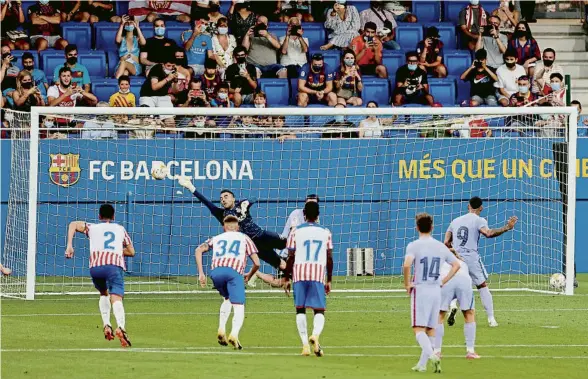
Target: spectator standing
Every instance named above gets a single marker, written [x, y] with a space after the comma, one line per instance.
[91, 128]
[315, 84]
[155, 90]
[211, 79]
[544, 70]
[94, 11]
[344, 23]
[39, 79]
[129, 50]
[412, 86]
[152, 52]
[223, 45]
[287, 9]
[494, 43]
[528, 52]
[198, 45]
[262, 49]
[11, 17]
[507, 75]
[508, 15]
[472, 19]
[26, 95]
[45, 32]
[431, 54]
[482, 79]
[384, 21]
[368, 50]
[400, 10]
[79, 72]
[294, 48]
[214, 13]
[348, 84]
[242, 77]
[241, 19]
[222, 99]
[124, 97]
[370, 127]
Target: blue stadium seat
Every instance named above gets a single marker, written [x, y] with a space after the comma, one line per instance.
[393, 59]
[225, 5]
[17, 54]
[122, 7]
[278, 28]
[451, 10]
[105, 34]
[78, 33]
[457, 61]
[332, 58]
[376, 90]
[112, 61]
[51, 59]
[442, 90]
[277, 91]
[447, 34]
[136, 83]
[294, 91]
[427, 11]
[463, 89]
[25, 5]
[408, 36]
[95, 62]
[315, 32]
[104, 88]
[175, 32]
[489, 5]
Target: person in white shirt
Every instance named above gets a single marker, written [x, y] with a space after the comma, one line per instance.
[371, 126]
[544, 70]
[294, 48]
[91, 127]
[508, 74]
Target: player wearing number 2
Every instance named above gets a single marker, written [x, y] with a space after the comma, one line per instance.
[428, 255]
[464, 234]
[310, 254]
[109, 244]
[229, 258]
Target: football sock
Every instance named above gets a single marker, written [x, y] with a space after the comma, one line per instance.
[426, 347]
[487, 302]
[119, 314]
[439, 333]
[302, 329]
[318, 324]
[238, 318]
[225, 312]
[104, 305]
[469, 331]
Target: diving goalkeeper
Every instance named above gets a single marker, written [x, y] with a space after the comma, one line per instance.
[264, 240]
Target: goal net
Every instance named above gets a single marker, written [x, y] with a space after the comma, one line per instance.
[407, 161]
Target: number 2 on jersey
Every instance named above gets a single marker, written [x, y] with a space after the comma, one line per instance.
[233, 249]
[433, 271]
[318, 244]
[109, 239]
[462, 235]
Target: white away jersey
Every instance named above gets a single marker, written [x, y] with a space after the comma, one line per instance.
[296, 218]
[310, 242]
[107, 241]
[429, 254]
[466, 231]
[231, 249]
[463, 270]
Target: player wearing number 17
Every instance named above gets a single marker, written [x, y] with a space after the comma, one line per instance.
[310, 255]
[109, 244]
[229, 258]
[427, 254]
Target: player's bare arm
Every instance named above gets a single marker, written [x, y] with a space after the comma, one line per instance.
[406, 266]
[448, 239]
[129, 250]
[492, 233]
[329, 270]
[74, 226]
[199, 251]
[255, 260]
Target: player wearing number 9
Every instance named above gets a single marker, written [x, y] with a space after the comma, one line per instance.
[109, 244]
[229, 258]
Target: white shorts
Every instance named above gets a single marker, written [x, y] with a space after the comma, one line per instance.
[157, 102]
[425, 301]
[50, 39]
[460, 288]
[477, 271]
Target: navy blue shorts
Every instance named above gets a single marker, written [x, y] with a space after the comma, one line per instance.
[229, 284]
[310, 294]
[109, 277]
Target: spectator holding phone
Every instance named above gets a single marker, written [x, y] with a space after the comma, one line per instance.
[12, 16]
[155, 90]
[385, 23]
[528, 52]
[348, 84]
[242, 77]
[344, 22]
[471, 21]
[493, 42]
[198, 45]
[223, 45]
[523, 96]
[66, 93]
[368, 51]
[196, 97]
[26, 95]
[482, 80]
[412, 86]
[262, 49]
[129, 48]
[431, 54]
[294, 48]
[39, 77]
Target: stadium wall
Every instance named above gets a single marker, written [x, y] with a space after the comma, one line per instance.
[377, 185]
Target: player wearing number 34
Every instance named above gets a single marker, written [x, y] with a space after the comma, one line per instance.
[109, 244]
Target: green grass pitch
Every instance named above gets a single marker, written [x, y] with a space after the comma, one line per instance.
[367, 335]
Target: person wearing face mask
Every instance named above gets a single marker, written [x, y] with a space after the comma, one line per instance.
[543, 72]
[151, 52]
[124, 97]
[471, 21]
[179, 90]
[344, 22]
[528, 52]
[222, 99]
[508, 16]
[79, 73]
[26, 95]
[8, 73]
[507, 75]
[39, 78]
[200, 122]
[128, 50]
[494, 43]
[242, 77]
[294, 48]
[315, 83]
[198, 45]
[348, 84]
[431, 54]
[45, 19]
[368, 51]
[161, 78]
[385, 22]
[557, 90]
[223, 45]
[523, 97]
[412, 86]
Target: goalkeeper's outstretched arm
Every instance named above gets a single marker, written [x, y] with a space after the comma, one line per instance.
[492, 233]
[216, 211]
[74, 226]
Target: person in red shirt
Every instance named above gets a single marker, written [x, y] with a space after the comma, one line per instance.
[523, 97]
[45, 31]
[368, 51]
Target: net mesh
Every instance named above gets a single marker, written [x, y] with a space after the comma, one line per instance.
[370, 188]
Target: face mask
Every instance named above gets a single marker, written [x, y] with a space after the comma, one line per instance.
[556, 86]
[474, 2]
[259, 105]
[349, 61]
[339, 118]
[160, 32]
[511, 65]
[72, 60]
[214, 8]
[519, 34]
[44, 2]
[241, 60]
[29, 85]
[547, 62]
[49, 124]
[29, 68]
[129, 28]
[203, 28]
[223, 30]
[412, 67]
[2, 2]
[124, 92]
[222, 95]
[316, 68]
[199, 123]
[523, 89]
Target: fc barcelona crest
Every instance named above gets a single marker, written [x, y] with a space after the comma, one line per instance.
[65, 169]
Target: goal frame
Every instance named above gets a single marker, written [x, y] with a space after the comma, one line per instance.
[571, 112]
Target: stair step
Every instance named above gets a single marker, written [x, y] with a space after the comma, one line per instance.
[580, 83]
[574, 69]
[558, 29]
[571, 56]
[559, 43]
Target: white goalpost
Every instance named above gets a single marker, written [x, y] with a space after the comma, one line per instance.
[520, 161]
